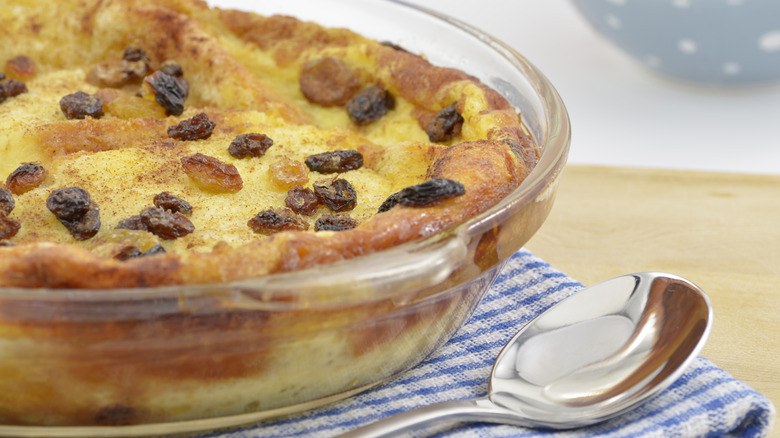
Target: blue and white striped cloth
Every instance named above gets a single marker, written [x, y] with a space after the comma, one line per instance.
[705, 401]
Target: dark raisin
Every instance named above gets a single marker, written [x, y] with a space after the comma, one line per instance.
[8, 227]
[7, 202]
[369, 105]
[155, 250]
[196, 128]
[76, 211]
[390, 202]
[132, 223]
[212, 174]
[302, 200]
[335, 222]
[328, 82]
[132, 251]
[337, 194]
[274, 220]
[166, 224]
[128, 252]
[172, 68]
[134, 54]
[11, 88]
[25, 178]
[447, 124]
[251, 144]
[169, 92]
[70, 203]
[79, 105]
[173, 203]
[432, 192]
[335, 161]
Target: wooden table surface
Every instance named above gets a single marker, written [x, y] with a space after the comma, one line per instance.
[719, 230]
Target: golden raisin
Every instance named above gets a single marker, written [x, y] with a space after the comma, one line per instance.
[21, 68]
[25, 178]
[212, 174]
[287, 173]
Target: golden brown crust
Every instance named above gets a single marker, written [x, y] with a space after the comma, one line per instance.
[490, 157]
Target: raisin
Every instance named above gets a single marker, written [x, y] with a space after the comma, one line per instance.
[128, 252]
[274, 220]
[169, 92]
[390, 202]
[7, 202]
[132, 223]
[134, 54]
[20, 68]
[431, 192]
[287, 173]
[79, 105]
[252, 144]
[69, 204]
[25, 178]
[212, 174]
[132, 252]
[447, 124]
[8, 227]
[302, 200]
[335, 222]
[11, 88]
[135, 63]
[337, 194]
[172, 68]
[370, 105]
[196, 128]
[328, 82]
[335, 161]
[173, 203]
[76, 211]
[166, 224]
[155, 250]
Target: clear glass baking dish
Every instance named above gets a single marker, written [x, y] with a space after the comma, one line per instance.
[137, 362]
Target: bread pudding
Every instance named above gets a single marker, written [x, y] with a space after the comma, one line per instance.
[107, 86]
[163, 154]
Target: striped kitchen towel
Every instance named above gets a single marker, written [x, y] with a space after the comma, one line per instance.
[705, 401]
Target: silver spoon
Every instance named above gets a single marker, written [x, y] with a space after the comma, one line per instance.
[590, 357]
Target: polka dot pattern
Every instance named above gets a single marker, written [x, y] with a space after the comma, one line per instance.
[709, 41]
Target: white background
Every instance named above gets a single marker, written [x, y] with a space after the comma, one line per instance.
[622, 113]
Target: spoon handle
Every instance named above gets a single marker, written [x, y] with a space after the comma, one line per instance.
[458, 411]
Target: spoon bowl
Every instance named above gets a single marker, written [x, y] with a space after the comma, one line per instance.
[592, 356]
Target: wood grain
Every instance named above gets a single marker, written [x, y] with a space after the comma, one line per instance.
[719, 230]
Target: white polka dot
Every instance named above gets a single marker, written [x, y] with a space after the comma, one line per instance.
[732, 68]
[653, 61]
[770, 41]
[687, 46]
[613, 21]
[682, 3]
